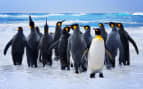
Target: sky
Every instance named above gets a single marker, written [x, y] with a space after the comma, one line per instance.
[59, 6]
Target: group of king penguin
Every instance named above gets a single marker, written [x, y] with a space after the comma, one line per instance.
[79, 50]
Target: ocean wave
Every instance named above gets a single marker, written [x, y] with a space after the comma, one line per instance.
[138, 13]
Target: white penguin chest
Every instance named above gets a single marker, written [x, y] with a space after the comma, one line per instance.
[96, 55]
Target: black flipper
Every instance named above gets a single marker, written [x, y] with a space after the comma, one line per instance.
[134, 44]
[53, 45]
[7, 46]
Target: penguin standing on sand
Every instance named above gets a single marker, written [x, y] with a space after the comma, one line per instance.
[113, 42]
[33, 40]
[126, 38]
[77, 46]
[87, 35]
[44, 45]
[96, 55]
[62, 46]
[18, 43]
[103, 31]
[57, 36]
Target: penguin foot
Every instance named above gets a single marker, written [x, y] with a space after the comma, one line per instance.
[92, 75]
[71, 65]
[62, 68]
[76, 72]
[101, 75]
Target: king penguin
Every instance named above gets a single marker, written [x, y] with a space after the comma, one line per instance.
[113, 42]
[44, 45]
[126, 38]
[33, 40]
[103, 31]
[96, 55]
[18, 43]
[57, 36]
[77, 46]
[62, 46]
[87, 35]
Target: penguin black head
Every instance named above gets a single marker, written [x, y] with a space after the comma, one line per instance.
[120, 25]
[20, 29]
[67, 28]
[46, 27]
[31, 23]
[111, 24]
[86, 27]
[59, 23]
[75, 26]
[101, 25]
[97, 31]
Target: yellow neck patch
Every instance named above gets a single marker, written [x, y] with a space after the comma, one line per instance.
[86, 28]
[98, 37]
[67, 29]
[119, 25]
[59, 24]
[112, 25]
[74, 27]
[100, 25]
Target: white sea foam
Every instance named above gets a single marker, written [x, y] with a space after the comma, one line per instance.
[138, 13]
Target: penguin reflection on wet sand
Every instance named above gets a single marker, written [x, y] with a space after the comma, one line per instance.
[33, 40]
[113, 42]
[44, 45]
[126, 38]
[77, 46]
[18, 43]
[57, 36]
[62, 46]
[87, 35]
[96, 55]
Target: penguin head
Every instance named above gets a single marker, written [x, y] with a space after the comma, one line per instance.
[101, 25]
[67, 28]
[120, 25]
[20, 29]
[46, 27]
[75, 26]
[86, 27]
[31, 23]
[112, 25]
[59, 23]
[97, 31]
